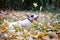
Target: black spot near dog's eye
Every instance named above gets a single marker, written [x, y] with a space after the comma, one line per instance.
[32, 15]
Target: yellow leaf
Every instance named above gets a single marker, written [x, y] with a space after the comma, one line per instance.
[45, 24]
[2, 29]
[35, 4]
[5, 24]
[19, 39]
[26, 34]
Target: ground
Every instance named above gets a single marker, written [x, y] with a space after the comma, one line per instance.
[48, 27]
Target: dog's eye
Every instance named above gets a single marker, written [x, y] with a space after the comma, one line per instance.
[32, 15]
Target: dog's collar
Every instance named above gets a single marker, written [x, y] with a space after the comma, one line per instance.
[29, 20]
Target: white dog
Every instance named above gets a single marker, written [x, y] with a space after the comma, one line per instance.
[27, 22]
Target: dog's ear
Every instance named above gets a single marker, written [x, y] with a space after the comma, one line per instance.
[26, 15]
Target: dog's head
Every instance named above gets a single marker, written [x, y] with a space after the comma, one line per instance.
[32, 17]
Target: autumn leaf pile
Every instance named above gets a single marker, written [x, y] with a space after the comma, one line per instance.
[48, 27]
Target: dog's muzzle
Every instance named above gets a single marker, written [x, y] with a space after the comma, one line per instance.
[36, 18]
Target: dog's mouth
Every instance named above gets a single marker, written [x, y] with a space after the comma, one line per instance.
[36, 18]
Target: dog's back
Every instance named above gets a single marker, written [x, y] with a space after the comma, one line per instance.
[25, 22]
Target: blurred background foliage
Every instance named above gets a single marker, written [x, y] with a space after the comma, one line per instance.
[28, 4]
